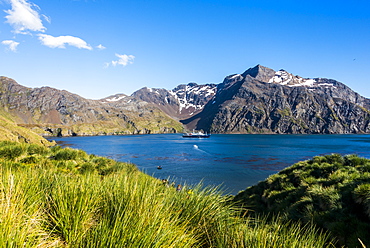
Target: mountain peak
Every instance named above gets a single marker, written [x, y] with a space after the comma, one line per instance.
[282, 77]
[260, 73]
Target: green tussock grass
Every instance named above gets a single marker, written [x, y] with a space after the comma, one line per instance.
[54, 197]
[332, 192]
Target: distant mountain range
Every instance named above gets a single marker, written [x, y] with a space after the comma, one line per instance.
[260, 100]
[49, 111]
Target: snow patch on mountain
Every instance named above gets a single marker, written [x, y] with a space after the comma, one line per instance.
[283, 77]
[192, 97]
[304, 82]
[236, 76]
[153, 90]
[326, 85]
[115, 99]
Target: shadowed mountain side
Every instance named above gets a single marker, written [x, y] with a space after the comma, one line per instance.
[198, 122]
[225, 92]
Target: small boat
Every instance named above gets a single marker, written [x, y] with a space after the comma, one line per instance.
[196, 135]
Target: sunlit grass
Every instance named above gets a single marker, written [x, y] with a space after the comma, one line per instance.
[67, 198]
[330, 191]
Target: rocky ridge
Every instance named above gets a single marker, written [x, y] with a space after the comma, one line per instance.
[262, 100]
[180, 102]
[49, 111]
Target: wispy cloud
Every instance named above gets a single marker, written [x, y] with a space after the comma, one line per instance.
[11, 44]
[62, 41]
[123, 60]
[24, 17]
[47, 18]
[101, 47]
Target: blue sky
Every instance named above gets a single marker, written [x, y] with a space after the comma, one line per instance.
[96, 48]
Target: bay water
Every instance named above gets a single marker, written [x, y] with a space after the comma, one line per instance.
[233, 161]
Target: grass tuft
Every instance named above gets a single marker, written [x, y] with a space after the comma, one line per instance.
[54, 197]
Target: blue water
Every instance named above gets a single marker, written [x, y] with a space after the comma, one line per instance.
[233, 161]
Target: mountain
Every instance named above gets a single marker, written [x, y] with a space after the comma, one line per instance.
[181, 102]
[262, 100]
[49, 111]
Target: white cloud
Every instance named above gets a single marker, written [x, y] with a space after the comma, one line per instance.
[101, 47]
[62, 41]
[47, 18]
[24, 16]
[11, 43]
[123, 60]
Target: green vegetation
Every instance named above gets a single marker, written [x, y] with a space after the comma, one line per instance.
[332, 191]
[284, 112]
[11, 131]
[158, 123]
[54, 197]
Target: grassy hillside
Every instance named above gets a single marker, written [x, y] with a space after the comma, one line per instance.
[11, 132]
[54, 197]
[330, 191]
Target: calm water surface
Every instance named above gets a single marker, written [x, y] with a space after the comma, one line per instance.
[235, 161]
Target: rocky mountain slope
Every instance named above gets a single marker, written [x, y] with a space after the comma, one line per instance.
[262, 100]
[50, 111]
[181, 102]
